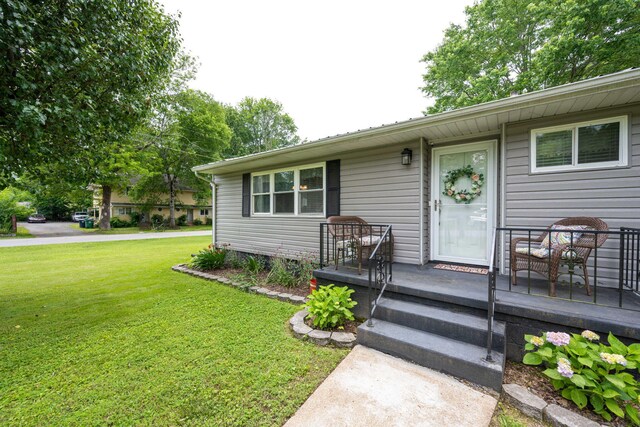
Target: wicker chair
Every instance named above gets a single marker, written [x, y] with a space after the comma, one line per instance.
[354, 233]
[575, 253]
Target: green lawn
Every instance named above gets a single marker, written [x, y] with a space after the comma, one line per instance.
[107, 334]
[22, 233]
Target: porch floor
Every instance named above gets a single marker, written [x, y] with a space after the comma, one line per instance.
[470, 291]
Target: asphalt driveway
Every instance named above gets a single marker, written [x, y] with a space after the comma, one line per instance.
[51, 229]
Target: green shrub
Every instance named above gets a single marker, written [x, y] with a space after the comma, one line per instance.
[283, 272]
[118, 223]
[589, 372]
[209, 259]
[197, 221]
[330, 307]
[181, 220]
[253, 264]
[136, 217]
[208, 221]
[157, 220]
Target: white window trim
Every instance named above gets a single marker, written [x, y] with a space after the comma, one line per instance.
[296, 192]
[623, 146]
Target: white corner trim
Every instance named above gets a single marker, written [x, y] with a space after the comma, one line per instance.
[503, 193]
[421, 219]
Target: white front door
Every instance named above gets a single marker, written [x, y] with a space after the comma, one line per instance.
[463, 212]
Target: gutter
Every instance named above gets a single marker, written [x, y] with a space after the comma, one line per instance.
[214, 213]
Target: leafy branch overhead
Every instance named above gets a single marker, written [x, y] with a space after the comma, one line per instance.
[510, 46]
[77, 77]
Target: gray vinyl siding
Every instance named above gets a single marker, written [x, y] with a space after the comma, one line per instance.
[538, 200]
[373, 185]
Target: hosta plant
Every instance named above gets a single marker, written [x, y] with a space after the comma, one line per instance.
[209, 259]
[330, 306]
[588, 372]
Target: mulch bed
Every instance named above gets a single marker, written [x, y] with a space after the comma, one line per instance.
[232, 273]
[532, 378]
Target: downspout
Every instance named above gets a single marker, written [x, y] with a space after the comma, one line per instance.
[214, 214]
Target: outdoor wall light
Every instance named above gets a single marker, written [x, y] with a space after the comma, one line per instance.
[406, 156]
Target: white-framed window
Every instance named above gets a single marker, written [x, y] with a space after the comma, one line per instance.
[204, 212]
[291, 191]
[124, 211]
[578, 146]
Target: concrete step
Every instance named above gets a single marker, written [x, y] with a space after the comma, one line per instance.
[434, 351]
[446, 322]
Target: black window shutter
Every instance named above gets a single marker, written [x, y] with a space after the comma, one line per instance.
[246, 194]
[332, 207]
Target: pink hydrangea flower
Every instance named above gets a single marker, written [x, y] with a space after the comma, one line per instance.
[558, 338]
[591, 336]
[564, 368]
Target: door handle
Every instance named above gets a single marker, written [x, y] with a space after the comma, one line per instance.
[436, 204]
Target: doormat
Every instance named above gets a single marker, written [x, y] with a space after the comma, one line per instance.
[462, 268]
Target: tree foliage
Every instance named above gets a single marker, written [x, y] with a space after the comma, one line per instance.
[188, 128]
[11, 204]
[259, 125]
[54, 198]
[76, 76]
[520, 46]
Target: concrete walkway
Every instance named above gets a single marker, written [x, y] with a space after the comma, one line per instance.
[369, 388]
[85, 238]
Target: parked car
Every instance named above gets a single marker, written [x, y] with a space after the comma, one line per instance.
[36, 218]
[78, 216]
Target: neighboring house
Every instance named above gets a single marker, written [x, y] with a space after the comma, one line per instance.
[186, 204]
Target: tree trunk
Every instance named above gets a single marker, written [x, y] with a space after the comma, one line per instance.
[172, 203]
[105, 208]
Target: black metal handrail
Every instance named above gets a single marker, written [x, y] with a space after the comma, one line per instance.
[491, 297]
[381, 260]
[611, 263]
[630, 249]
[333, 235]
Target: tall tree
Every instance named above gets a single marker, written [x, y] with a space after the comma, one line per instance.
[76, 76]
[259, 125]
[520, 46]
[188, 127]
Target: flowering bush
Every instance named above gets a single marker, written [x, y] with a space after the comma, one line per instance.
[588, 371]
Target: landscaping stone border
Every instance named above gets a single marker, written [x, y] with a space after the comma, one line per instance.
[535, 407]
[282, 296]
[303, 331]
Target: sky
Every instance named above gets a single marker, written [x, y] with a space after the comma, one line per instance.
[335, 66]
